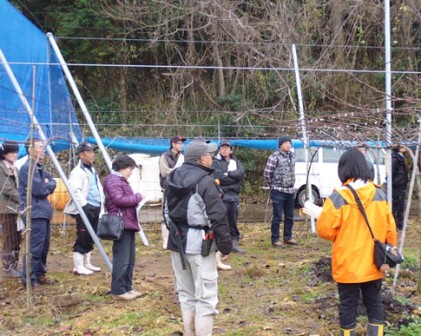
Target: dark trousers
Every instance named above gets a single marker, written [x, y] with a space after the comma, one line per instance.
[40, 245]
[398, 207]
[349, 295]
[232, 216]
[282, 202]
[124, 255]
[84, 242]
[12, 239]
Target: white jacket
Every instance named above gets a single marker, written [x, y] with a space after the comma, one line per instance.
[79, 182]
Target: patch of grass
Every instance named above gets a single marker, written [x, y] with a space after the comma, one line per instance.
[412, 329]
[410, 263]
[402, 300]
[310, 296]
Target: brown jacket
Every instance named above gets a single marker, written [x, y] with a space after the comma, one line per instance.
[9, 195]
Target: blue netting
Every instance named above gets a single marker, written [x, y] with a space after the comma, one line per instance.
[30, 56]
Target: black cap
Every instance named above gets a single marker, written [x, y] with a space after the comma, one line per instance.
[84, 147]
[177, 138]
[225, 143]
[282, 139]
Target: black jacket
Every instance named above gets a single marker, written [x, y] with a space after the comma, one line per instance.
[399, 172]
[230, 181]
[191, 202]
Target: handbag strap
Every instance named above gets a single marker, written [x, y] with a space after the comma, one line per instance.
[119, 213]
[357, 199]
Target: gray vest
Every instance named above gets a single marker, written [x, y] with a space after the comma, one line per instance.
[284, 175]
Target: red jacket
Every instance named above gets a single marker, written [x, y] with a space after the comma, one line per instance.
[341, 222]
[119, 194]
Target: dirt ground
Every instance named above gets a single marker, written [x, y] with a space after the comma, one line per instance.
[268, 292]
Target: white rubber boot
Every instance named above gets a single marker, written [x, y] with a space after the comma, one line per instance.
[221, 266]
[78, 264]
[165, 234]
[204, 325]
[87, 263]
[188, 322]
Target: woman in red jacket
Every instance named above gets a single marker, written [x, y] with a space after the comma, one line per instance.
[353, 265]
[120, 197]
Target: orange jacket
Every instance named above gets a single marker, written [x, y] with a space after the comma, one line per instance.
[342, 222]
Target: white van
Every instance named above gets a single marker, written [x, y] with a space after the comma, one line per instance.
[324, 171]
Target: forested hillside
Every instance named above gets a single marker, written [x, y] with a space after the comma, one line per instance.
[155, 68]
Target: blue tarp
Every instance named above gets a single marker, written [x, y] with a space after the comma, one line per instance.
[158, 146]
[29, 54]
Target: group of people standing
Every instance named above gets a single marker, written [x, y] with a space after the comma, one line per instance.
[200, 209]
[194, 198]
[115, 194]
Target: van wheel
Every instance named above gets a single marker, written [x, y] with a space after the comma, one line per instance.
[301, 197]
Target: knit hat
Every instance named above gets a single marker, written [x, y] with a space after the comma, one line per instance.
[8, 147]
[282, 139]
[224, 143]
[196, 149]
[84, 147]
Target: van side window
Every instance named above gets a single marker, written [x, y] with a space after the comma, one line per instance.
[332, 155]
[300, 155]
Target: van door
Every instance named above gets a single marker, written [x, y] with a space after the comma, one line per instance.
[301, 173]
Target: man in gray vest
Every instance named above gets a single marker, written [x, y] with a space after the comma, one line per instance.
[280, 177]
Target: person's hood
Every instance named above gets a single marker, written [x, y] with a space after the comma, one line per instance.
[186, 177]
[365, 192]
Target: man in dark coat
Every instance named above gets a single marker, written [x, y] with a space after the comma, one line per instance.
[230, 173]
[399, 184]
[43, 185]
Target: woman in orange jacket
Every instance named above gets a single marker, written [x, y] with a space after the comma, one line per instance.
[353, 265]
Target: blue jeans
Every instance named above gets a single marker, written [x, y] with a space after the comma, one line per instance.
[282, 202]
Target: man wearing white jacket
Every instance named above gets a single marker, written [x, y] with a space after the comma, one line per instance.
[89, 194]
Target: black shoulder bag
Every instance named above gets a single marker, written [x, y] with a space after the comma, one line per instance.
[110, 227]
[383, 253]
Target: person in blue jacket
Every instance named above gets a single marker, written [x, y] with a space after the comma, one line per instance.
[42, 185]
